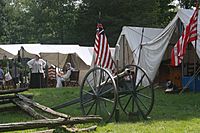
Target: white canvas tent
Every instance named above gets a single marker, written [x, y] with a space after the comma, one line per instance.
[153, 49]
[130, 40]
[4, 53]
[55, 54]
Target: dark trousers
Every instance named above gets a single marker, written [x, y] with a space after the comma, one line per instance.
[37, 80]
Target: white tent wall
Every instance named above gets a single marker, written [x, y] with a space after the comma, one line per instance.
[153, 48]
[130, 41]
[125, 53]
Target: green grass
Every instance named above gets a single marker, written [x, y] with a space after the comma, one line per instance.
[171, 112]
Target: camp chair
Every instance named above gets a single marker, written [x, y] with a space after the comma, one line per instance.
[74, 77]
[51, 76]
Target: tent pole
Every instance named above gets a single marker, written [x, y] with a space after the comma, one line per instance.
[140, 46]
[58, 60]
[123, 51]
[181, 28]
[195, 49]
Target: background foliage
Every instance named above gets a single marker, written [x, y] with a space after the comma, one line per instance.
[74, 21]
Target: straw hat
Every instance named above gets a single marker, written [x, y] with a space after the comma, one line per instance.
[38, 55]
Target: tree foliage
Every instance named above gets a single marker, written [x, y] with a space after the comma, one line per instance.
[74, 21]
[2, 18]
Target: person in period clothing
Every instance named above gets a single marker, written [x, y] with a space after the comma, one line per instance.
[37, 73]
[61, 77]
[1, 76]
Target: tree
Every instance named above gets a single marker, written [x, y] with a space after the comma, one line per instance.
[36, 21]
[2, 19]
[117, 13]
[187, 4]
[72, 21]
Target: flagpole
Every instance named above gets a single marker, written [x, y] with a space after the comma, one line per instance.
[195, 47]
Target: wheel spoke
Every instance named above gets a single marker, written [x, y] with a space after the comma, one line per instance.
[106, 92]
[103, 86]
[106, 109]
[99, 103]
[87, 102]
[95, 111]
[95, 79]
[106, 99]
[91, 87]
[121, 96]
[142, 103]
[127, 102]
[101, 73]
[139, 81]
[138, 106]
[88, 92]
[143, 95]
[132, 105]
[90, 107]
[143, 88]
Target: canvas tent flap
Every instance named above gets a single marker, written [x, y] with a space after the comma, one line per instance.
[4, 53]
[152, 52]
[57, 59]
[130, 40]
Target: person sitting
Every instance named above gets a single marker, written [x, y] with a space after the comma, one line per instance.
[170, 87]
[61, 76]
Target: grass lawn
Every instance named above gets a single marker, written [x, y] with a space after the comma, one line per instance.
[171, 112]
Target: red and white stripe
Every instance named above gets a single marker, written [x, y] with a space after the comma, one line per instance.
[102, 52]
[189, 35]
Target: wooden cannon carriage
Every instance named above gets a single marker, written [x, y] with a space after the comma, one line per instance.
[101, 93]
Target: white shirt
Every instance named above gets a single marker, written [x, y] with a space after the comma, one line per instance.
[68, 73]
[37, 65]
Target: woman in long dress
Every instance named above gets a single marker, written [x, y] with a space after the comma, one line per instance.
[37, 73]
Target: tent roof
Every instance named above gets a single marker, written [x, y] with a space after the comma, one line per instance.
[4, 53]
[57, 59]
[134, 35]
[83, 52]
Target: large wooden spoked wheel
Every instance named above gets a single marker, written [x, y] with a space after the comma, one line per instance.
[98, 95]
[136, 95]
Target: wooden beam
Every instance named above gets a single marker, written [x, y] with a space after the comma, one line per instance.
[51, 123]
[14, 96]
[42, 107]
[24, 106]
[10, 91]
[5, 101]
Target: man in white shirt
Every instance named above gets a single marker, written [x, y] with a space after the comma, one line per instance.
[37, 73]
[64, 77]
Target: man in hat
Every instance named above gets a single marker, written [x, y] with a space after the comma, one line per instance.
[37, 73]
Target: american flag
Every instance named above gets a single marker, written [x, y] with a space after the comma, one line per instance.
[189, 35]
[102, 52]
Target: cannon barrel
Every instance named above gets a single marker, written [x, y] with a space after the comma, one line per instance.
[122, 74]
[119, 75]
